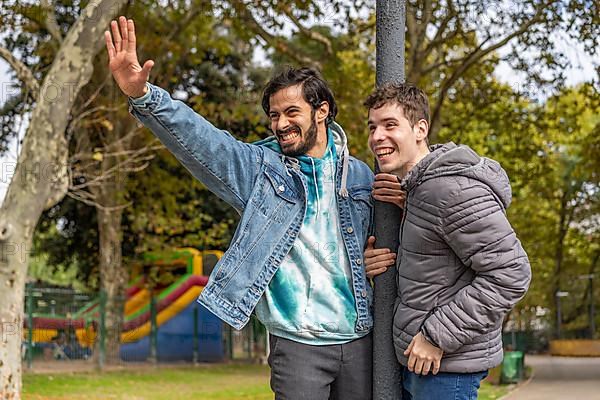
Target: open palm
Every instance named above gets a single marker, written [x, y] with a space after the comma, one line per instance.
[123, 61]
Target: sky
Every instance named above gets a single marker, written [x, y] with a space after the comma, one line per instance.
[582, 70]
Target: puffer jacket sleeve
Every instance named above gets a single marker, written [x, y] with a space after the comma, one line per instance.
[476, 228]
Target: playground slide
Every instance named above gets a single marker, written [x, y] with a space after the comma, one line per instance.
[181, 322]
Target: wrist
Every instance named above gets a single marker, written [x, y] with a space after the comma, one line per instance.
[138, 95]
[427, 336]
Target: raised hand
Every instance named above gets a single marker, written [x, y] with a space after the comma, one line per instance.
[377, 261]
[123, 61]
[387, 188]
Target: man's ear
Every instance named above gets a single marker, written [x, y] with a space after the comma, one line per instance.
[422, 130]
[322, 112]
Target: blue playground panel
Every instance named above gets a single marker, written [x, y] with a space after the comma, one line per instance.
[175, 339]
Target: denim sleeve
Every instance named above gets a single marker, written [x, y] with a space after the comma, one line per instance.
[227, 166]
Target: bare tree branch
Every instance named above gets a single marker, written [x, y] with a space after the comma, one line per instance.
[24, 74]
[78, 195]
[316, 36]
[50, 22]
[473, 57]
[278, 43]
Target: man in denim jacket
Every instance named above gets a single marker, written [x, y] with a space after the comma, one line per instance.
[296, 257]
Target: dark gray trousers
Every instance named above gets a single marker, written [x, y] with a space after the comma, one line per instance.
[334, 372]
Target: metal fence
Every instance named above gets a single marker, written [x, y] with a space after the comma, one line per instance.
[65, 325]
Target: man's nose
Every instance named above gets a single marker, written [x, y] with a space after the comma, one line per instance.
[282, 123]
[378, 134]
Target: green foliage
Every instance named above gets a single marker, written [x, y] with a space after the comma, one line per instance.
[172, 209]
[551, 154]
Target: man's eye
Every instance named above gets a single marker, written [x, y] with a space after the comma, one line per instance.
[389, 126]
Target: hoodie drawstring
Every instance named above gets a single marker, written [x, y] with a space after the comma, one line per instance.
[345, 156]
[316, 185]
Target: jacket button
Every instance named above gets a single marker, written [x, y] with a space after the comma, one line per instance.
[359, 261]
[364, 293]
[349, 229]
[281, 188]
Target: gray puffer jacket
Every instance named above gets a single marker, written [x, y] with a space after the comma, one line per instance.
[461, 267]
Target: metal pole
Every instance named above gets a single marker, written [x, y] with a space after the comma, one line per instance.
[387, 376]
[558, 317]
[195, 339]
[153, 329]
[592, 308]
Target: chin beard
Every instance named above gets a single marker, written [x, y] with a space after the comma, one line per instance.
[308, 142]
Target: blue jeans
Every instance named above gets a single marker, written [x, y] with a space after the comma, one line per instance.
[443, 386]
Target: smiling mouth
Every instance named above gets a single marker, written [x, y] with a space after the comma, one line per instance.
[384, 152]
[292, 134]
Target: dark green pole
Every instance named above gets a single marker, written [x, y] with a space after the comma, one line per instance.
[102, 330]
[29, 325]
[387, 376]
[196, 341]
[153, 329]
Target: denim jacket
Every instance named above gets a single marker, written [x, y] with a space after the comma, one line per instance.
[269, 192]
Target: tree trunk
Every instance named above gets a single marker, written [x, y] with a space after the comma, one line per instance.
[113, 278]
[109, 199]
[40, 178]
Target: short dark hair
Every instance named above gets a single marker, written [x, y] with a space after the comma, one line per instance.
[314, 89]
[413, 100]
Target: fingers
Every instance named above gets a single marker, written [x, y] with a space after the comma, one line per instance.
[436, 365]
[110, 48]
[116, 35]
[372, 274]
[418, 366]
[147, 68]
[426, 367]
[131, 42]
[371, 252]
[387, 184]
[412, 360]
[382, 176]
[370, 242]
[124, 33]
[384, 191]
[409, 349]
[382, 260]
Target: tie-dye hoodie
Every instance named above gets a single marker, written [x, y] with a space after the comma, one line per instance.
[310, 298]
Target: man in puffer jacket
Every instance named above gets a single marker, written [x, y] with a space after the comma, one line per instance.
[460, 265]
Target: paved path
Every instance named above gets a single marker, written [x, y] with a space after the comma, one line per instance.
[561, 378]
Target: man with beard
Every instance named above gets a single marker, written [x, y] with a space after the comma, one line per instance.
[296, 257]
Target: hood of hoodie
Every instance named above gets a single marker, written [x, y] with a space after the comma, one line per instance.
[340, 142]
[452, 160]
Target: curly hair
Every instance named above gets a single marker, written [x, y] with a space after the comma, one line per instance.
[413, 100]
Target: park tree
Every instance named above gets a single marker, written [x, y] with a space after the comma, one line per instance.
[549, 148]
[444, 39]
[571, 122]
[196, 57]
[40, 178]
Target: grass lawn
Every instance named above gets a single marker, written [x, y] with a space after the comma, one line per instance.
[218, 382]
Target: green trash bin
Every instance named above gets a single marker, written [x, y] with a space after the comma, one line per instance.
[512, 367]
